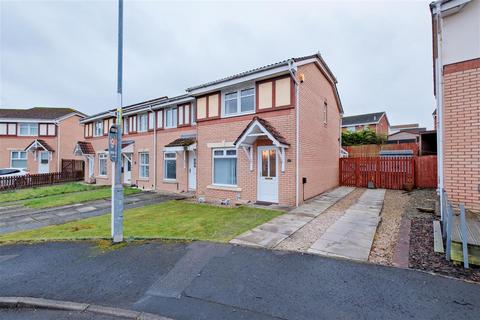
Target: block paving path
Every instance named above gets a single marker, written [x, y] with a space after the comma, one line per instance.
[351, 236]
[271, 233]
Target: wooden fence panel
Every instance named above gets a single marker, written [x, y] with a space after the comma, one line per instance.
[72, 165]
[41, 179]
[373, 150]
[426, 172]
[383, 172]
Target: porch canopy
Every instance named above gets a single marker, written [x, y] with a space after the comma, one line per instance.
[181, 144]
[38, 144]
[261, 128]
[83, 148]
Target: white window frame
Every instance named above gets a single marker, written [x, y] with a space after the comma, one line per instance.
[174, 113]
[19, 159]
[352, 128]
[224, 156]
[165, 159]
[101, 157]
[142, 165]
[125, 125]
[238, 91]
[30, 126]
[98, 127]
[142, 125]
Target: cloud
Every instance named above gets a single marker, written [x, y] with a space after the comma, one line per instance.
[64, 53]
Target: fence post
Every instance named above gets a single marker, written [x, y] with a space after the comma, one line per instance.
[464, 235]
[449, 230]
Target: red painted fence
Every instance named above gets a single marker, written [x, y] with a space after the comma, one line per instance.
[388, 172]
[426, 171]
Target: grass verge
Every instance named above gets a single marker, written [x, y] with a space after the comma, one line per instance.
[75, 197]
[39, 192]
[168, 220]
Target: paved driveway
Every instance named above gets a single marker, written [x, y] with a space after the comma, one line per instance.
[18, 218]
[202, 281]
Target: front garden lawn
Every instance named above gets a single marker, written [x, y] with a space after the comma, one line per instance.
[104, 192]
[168, 220]
[38, 192]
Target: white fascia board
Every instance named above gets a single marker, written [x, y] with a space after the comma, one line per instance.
[359, 124]
[99, 117]
[26, 120]
[251, 77]
[173, 149]
[320, 65]
[456, 5]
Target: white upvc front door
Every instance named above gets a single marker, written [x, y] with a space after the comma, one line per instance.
[192, 170]
[43, 162]
[267, 172]
[127, 170]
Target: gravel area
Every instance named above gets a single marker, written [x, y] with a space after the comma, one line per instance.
[304, 238]
[421, 254]
[386, 236]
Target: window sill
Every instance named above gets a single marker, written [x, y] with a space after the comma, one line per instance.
[169, 181]
[143, 179]
[237, 114]
[101, 177]
[224, 188]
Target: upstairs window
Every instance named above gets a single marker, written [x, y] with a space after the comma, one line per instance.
[28, 129]
[98, 129]
[143, 123]
[171, 118]
[351, 129]
[239, 102]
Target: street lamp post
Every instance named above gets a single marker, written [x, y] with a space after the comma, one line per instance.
[116, 134]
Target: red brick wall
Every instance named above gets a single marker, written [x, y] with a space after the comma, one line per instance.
[381, 127]
[462, 135]
[319, 142]
[228, 130]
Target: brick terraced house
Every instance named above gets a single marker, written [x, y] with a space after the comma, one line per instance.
[271, 135]
[456, 57]
[37, 139]
[376, 121]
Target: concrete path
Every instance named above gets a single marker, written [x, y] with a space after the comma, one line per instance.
[270, 234]
[19, 218]
[352, 235]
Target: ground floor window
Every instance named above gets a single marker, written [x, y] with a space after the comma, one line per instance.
[19, 159]
[170, 166]
[102, 164]
[225, 167]
[144, 165]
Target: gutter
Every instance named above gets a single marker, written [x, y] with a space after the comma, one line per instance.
[439, 96]
[292, 68]
[154, 149]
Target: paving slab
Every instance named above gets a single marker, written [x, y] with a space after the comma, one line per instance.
[271, 233]
[351, 236]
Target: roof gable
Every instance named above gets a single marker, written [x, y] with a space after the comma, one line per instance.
[367, 118]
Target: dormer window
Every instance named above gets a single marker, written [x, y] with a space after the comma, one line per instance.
[27, 129]
[239, 102]
[98, 128]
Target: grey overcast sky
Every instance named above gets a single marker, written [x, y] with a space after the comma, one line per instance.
[63, 53]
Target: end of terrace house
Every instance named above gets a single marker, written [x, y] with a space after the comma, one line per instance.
[271, 134]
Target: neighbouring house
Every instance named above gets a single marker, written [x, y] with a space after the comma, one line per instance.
[271, 134]
[399, 127]
[38, 139]
[406, 136]
[377, 122]
[456, 56]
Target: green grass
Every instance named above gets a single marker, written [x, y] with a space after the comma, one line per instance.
[74, 197]
[169, 220]
[39, 192]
